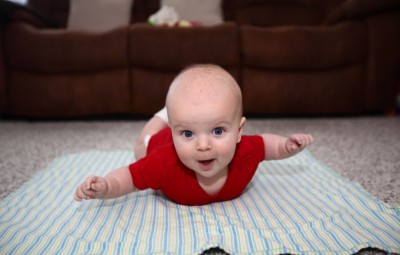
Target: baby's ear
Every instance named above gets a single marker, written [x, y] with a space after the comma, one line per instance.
[241, 125]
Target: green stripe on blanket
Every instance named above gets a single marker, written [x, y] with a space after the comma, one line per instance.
[296, 205]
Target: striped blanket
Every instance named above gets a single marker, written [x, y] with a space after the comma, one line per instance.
[296, 205]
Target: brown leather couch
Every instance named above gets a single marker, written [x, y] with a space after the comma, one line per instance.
[290, 57]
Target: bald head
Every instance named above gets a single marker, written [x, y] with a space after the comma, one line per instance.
[200, 84]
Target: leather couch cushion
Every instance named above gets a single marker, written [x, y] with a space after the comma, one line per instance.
[174, 48]
[61, 95]
[275, 14]
[58, 50]
[303, 47]
[336, 90]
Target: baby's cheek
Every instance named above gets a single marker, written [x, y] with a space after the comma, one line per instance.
[184, 151]
[227, 150]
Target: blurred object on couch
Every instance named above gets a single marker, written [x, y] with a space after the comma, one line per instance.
[290, 57]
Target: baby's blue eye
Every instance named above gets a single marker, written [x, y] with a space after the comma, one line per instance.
[218, 131]
[187, 133]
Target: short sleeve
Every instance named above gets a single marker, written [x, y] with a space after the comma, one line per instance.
[252, 146]
[148, 172]
[160, 139]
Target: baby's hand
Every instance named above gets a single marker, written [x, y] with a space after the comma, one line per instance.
[297, 142]
[92, 187]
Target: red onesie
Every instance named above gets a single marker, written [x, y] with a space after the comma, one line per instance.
[162, 170]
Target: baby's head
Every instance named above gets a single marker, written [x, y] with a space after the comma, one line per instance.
[204, 105]
[201, 83]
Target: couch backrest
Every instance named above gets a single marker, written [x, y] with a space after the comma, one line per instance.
[254, 12]
[283, 12]
[58, 10]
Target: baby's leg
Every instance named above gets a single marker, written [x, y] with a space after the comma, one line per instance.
[158, 122]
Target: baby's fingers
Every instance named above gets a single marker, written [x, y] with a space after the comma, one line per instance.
[83, 193]
[302, 140]
[89, 180]
[79, 195]
[307, 140]
[77, 198]
[95, 183]
[97, 186]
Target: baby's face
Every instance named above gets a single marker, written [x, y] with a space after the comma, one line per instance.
[205, 131]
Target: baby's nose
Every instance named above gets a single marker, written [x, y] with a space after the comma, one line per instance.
[203, 143]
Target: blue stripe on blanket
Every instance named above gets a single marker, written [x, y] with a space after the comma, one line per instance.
[296, 205]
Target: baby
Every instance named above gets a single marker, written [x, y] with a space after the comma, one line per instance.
[193, 150]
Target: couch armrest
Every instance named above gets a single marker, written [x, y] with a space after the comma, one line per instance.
[14, 12]
[3, 99]
[356, 9]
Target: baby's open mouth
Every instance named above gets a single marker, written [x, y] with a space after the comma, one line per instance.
[206, 164]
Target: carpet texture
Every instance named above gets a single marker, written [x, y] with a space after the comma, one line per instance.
[295, 206]
[365, 150]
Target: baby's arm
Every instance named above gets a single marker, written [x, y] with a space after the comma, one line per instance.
[279, 147]
[155, 124]
[115, 184]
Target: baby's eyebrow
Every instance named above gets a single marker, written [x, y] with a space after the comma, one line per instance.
[222, 123]
[180, 127]
[189, 127]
